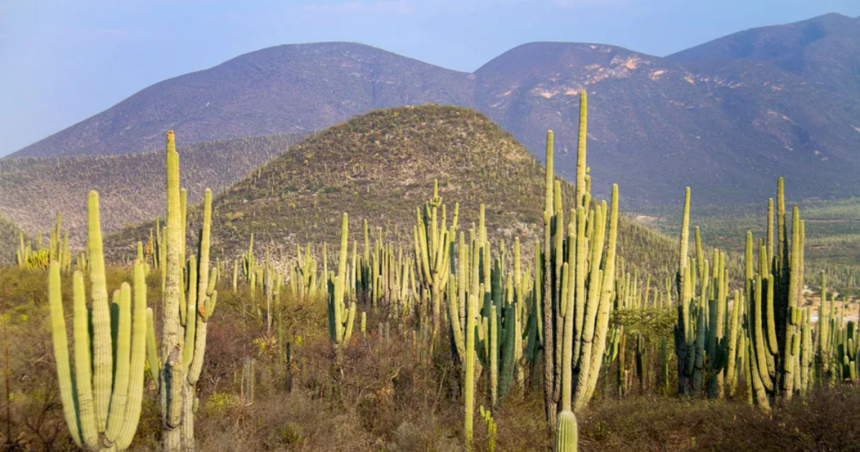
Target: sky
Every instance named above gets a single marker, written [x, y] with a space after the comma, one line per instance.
[64, 61]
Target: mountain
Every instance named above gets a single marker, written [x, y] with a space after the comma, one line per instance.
[381, 167]
[33, 190]
[727, 117]
[284, 89]
[797, 87]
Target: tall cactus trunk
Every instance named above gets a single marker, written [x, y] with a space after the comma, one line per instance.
[171, 338]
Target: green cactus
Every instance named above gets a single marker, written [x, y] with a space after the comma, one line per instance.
[189, 301]
[433, 240]
[341, 317]
[470, 358]
[566, 433]
[101, 402]
[578, 287]
[487, 415]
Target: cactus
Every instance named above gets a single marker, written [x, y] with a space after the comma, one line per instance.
[102, 401]
[469, 381]
[566, 433]
[249, 381]
[578, 287]
[340, 317]
[491, 428]
[189, 301]
[433, 241]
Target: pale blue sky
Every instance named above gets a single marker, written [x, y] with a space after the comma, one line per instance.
[63, 61]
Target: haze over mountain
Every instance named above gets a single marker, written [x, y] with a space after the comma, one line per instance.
[726, 117]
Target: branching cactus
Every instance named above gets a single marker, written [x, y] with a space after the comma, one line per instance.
[340, 317]
[578, 268]
[102, 401]
[432, 250]
[189, 301]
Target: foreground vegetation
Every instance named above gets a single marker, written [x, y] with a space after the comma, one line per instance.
[386, 398]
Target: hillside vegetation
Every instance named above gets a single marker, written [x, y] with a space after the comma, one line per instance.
[33, 190]
[726, 118]
[381, 167]
[10, 237]
[832, 234]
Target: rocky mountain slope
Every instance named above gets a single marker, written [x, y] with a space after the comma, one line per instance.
[726, 117]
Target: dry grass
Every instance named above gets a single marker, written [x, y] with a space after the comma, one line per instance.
[383, 398]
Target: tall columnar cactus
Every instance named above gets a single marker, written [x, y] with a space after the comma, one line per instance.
[341, 318]
[684, 338]
[706, 334]
[432, 251]
[578, 268]
[189, 300]
[470, 358]
[824, 343]
[566, 434]
[102, 401]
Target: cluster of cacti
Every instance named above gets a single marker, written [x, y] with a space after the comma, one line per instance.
[340, 316]
[26, 256]
[504, 319]
[775, 293]
[487, 415]
[383, 277]
[578, 265]
[433, 241]
[641, 315]
[764, 333]
[836, 343]
[303, 278]
[564, 326]
[102, 399]
[706, 334]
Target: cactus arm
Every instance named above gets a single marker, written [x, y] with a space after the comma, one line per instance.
[138, 354]
[469, 383]
[580, 149]
[151, 351]
[591, 309]
[83, 362]
[191, 319]
[119, 396]
[102, 353]
[350, 320]
[171, 339]
[61, 353]
[608, 283]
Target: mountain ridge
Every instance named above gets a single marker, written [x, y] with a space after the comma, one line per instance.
[726, 127]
